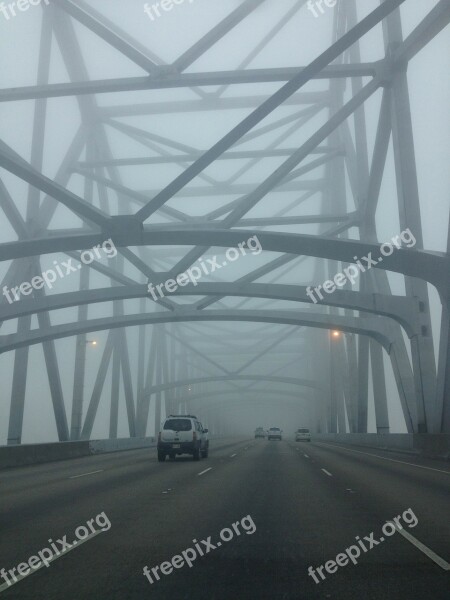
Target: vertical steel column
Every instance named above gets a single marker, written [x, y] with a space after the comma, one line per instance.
[367, 231]
[80, 340]
[165, 367]
[98, 388]
[158, 380]
[379, 388]
[363, 383]
[422, 349]
[20, 369]
[172, 369]
[336, 200]
[117, 353]
[442, 417]
[334, 396]
[144, 406]
[19, 383]
[54, 378]
[115, 388]
[127, 383]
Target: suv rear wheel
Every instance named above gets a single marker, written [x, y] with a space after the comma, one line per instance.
[205, 453]
[196, 454]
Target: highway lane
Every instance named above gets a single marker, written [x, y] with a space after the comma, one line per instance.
[306, 510]
[400, 479]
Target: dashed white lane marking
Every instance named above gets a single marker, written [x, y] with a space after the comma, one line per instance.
[84, 474]
[306, 456]
[233, 455]
[327, 472]
[434, 557]
[75, 544]
[389, 459]
[205, 471]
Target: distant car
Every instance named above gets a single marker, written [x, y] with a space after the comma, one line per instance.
[302, 435]
[274, 433]
[260, 433]
[182, 434]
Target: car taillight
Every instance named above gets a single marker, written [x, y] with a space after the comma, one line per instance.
[194, 436]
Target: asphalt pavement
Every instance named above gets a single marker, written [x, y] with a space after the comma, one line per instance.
[261, 513]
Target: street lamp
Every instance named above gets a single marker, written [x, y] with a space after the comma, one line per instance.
[91, 342]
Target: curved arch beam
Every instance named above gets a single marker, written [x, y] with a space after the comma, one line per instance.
[126, 231]
[251, 391]
[231, 377]
[400, 308]
[372, 327]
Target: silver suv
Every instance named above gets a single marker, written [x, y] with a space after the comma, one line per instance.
[182, 434]
[302, 435]
[274, 433]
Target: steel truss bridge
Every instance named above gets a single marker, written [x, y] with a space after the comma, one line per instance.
[306, 138]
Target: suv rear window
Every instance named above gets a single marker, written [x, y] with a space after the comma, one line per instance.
[303, 431]
[274, 429]
[178, 425]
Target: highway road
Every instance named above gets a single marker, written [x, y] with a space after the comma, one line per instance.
[305, 504]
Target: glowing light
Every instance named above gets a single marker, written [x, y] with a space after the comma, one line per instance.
[336, 334]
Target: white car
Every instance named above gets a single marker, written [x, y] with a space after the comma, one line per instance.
[274, 433]
[302, 435]
[182, 434]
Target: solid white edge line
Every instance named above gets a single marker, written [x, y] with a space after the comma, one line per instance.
[434, 557]
[384, 458]
[5, 586]
[84, 474]
[327, 472]
[205, 471]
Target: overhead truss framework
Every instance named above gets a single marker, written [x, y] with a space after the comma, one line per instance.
[296, 147]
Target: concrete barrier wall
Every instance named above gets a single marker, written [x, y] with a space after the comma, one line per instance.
[29, 454]
[430, 445]
[119, 445]
[433, 445]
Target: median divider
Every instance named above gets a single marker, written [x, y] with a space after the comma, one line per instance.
[31, 454]
[430, 445]
[120, 444]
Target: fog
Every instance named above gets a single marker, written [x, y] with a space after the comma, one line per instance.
[211, 358]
